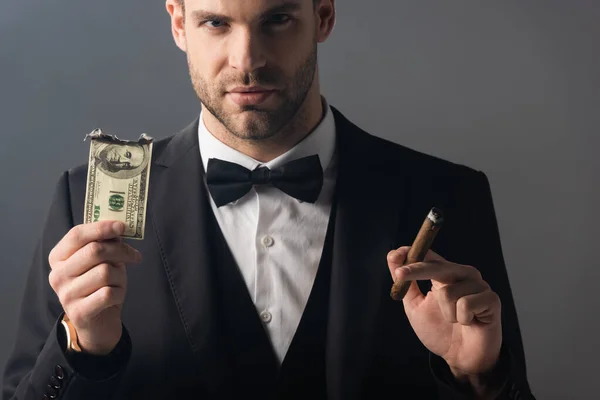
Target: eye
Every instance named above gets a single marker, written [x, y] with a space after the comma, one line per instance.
[214, 23]
[127, 154]
[278, 19]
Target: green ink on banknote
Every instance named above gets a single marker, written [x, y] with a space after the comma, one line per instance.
[116, 202]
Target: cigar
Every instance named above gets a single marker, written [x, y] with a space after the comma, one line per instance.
[419, 249]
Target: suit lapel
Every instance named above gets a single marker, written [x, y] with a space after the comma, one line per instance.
[179, 205]
[365, 231]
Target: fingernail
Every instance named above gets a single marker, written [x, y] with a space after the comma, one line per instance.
[390, 255]
[118, 228]
[138, 256]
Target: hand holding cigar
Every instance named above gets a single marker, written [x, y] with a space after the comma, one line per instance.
[419, 249]
[458, 319]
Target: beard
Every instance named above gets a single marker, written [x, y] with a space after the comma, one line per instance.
[265, 123]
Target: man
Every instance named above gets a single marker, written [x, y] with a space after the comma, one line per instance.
[275, 229]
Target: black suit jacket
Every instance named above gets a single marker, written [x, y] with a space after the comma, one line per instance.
[384, 192]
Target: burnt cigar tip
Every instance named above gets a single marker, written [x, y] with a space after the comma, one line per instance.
[436, 216]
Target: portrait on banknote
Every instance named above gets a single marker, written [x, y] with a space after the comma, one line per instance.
[121, 161]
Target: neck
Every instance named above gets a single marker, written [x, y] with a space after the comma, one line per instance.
[309, 115]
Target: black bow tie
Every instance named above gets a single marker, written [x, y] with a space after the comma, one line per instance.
[301, 179]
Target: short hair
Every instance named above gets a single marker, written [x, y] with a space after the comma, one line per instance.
[182, 2]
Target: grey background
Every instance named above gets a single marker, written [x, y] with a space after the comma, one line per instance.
[508, 87]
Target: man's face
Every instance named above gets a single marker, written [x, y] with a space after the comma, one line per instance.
[238, 46]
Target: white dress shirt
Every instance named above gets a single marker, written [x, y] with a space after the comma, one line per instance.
[275, 239]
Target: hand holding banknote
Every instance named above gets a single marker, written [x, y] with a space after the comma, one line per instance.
[88, 274]
[88, 266]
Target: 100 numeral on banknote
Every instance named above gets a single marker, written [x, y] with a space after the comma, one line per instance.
[117, 181]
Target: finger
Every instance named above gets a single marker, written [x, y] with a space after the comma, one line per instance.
[94, 279]
[441, 271]
[89, 307]
[83, 234]
[432, 255]
[96, 253]
[396, 258]
[481, 307]
[447, 296]
[413, 296]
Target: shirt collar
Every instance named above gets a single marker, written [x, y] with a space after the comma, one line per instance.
[320, 141]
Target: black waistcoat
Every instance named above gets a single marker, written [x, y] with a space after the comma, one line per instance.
[252, 365]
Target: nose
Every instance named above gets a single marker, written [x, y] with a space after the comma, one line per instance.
[246, 52]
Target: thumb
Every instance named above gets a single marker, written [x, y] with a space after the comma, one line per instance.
[413, 296]
[396, 259]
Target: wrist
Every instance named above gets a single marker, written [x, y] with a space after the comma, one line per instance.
[101, 348]
[484, 385]
[97, 367]
[481, 385]
[77, 343]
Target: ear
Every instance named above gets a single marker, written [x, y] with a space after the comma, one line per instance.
[176, 10]
[325, 10]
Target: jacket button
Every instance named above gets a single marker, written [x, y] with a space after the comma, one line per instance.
[59, 372]
[51, 392]
[55, 383]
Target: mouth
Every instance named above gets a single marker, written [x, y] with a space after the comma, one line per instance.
[250, 95]
[251, 89]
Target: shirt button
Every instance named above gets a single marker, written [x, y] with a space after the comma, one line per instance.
[266, 317]
[267, 241]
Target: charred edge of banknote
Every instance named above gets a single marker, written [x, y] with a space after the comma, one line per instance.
[97, 134]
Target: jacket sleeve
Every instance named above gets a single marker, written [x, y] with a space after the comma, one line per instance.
[38, 366]
[483, 236]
